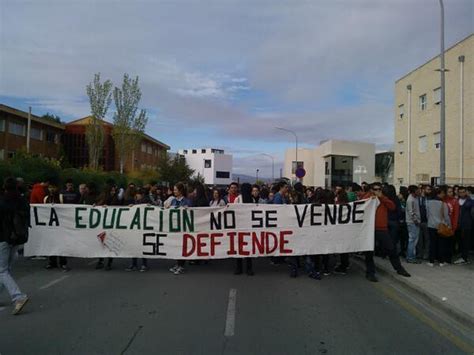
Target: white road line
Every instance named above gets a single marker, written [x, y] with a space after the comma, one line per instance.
[230, 319]
[54, 282]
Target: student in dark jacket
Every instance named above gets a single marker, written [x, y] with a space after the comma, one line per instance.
[52, 197]
[465, 224]
[10, 202]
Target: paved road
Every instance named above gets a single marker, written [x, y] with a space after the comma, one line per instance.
[89, 311]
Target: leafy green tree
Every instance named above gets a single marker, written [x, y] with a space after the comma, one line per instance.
[51, 117]
[173, 170]
[100, 98]
[129, 124]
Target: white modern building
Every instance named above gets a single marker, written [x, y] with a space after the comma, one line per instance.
[333, 162]
[213, 164]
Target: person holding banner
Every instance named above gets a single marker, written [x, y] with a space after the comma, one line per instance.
[140, 198]
[52, 197]
[244, 197]
[382, 237]
[217, 200]
[108, 197]
[179, 200]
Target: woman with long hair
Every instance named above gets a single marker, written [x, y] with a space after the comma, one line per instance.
[217, 200]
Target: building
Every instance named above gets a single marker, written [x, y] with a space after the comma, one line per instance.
[146, 156]
[417, 119]
[49, 138]
[333, 162]
[213, 164]
[45, 134]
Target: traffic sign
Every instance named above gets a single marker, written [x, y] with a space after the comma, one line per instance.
[300, 173]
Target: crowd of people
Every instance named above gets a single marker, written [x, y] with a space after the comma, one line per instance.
[407, 223]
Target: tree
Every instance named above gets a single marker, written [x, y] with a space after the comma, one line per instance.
[128, 125]
[173, 170]
[51, 117]
[100, 98]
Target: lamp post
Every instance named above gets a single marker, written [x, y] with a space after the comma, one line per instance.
[442, 135]
[256, 180]
[273, 165]
[296, 141]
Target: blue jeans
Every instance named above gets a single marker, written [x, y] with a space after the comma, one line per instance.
[413, 234]
[7, 255]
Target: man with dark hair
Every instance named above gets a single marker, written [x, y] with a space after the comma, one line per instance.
[423, 246]
[382, 237]
[280, 197]
[69, 195]
[12, 207]
[233, 192]
[466, 222]
[413, 218]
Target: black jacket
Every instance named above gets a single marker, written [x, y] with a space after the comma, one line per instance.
[9, 203]
[466, 214]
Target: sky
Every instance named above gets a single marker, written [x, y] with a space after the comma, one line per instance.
[224, 74]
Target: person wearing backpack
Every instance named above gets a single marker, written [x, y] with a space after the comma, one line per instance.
[14, 223]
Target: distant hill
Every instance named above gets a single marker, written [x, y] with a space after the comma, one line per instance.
[241, 178]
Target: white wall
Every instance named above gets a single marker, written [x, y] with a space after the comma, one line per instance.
[314, 160]
[219, 162]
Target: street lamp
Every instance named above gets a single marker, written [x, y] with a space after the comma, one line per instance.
[442, 130]
[256, 180]
[296, 140]
[273, 165]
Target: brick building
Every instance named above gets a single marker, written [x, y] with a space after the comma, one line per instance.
[45, 134]
[48, 136]
[146, 155]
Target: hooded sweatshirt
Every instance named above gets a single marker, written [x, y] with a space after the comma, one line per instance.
[38, 193]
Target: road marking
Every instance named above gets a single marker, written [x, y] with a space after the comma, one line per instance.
[461, 344]
[230, 319]
[54, 282]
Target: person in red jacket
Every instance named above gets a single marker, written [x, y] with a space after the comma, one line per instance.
[39, 192]
[382, 237]
[453, 207]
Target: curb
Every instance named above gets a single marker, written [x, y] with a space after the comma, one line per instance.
[429, 298]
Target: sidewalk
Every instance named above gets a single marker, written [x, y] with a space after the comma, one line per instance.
[450, 288]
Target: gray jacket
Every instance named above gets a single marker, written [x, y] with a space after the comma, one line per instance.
[434, 213]
[412, 211]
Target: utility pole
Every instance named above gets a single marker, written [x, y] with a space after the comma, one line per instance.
[442, 150]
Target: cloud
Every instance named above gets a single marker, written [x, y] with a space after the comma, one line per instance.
[228, 72]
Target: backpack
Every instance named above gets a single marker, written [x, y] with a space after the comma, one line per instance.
[16, 224]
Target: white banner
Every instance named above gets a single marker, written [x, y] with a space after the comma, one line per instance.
[238, 230]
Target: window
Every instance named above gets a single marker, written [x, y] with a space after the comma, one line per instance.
[437, 96]
[16, 128]
[436, 140]
[293, 166]
[422, 144]
[2, 125]
[185, 151]
[36, 133]
[2, 154]
[423, 102]
[143, 148]
[10, 155]
[207, 163]
[203, 151]
[222, 174]
[149, 149]
[422, 178]
[194, 151]
[401, 147]
[50, 137]
[401, 111]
